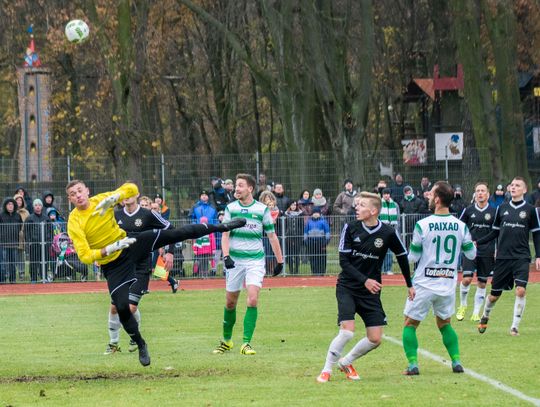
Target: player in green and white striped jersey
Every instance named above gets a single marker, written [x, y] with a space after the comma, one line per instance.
[243, 255]
[436, 245]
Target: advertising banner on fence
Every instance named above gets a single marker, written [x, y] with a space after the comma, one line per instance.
[448, 146]
[414, 151]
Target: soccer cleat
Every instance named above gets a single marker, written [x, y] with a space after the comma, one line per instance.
[412, 370]
[132, 346]
[174, 287]
[144, 356]
[349, 370]
[323, 377]
[514, 331]
[246, 349]
[233, 224]
[112, 348]
[223, 347]
[457, 368]
[460, 314]
[475, 318]
[482, 326]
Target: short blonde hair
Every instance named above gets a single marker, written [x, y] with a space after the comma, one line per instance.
[267, 196]
[375, 199]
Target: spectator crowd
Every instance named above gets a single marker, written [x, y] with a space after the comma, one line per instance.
[32, 231]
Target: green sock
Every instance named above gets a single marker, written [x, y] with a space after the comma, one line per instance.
[250, 320]
[450, 340]
[410, 344]
[229, 319]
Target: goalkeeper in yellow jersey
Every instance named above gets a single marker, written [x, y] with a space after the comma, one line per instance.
[98, 238]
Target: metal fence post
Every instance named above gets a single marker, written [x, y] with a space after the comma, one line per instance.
[283, 243]
[43, 258]
[163, 176]
[403, 233]
[69, 177]
[258, 164]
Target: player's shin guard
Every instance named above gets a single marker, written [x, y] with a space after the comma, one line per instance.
[335, 349]
[250, 321]
[360, 349]
[114, 328]
[488, 307]
[450, 340]
[137, 316]
[519, 307]
[229, 319]
[410, 344]
[463, 293]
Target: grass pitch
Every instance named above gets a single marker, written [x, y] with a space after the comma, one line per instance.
[52, 354]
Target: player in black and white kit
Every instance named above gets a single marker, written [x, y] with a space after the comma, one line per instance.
[134, 219]
[362, 248]
[513, 222]
[479, 218]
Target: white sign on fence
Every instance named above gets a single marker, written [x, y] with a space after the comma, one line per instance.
[448, 146]
[536, 140]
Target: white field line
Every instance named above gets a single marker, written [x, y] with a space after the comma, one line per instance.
[495, 383]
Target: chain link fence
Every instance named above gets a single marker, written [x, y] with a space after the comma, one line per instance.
[181, 178]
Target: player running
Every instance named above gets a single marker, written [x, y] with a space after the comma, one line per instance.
[98, 238]
[243, 256]
[362, 249]
[478, 217]
[513, 222]
[436, 244]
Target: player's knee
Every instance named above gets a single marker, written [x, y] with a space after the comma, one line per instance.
[520, 291]
[466, 281]
[133, 308]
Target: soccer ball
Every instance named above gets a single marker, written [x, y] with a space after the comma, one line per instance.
[77, 31]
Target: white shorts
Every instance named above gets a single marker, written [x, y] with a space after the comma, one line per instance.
[251, 273]
[425, 299]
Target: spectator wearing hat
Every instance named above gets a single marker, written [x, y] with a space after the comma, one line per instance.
[203, 249]
[498, 197]
[38, 235]
[345, 199]
[316, 238]
[534, 197]
[389, 215]
[425, 186]
[458, 204]
[203, 208]
[27, 198]
[48, 202]
[164, 211]
[294, 228]
[319, 201]
[11, 225]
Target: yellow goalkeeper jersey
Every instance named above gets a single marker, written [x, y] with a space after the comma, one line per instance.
[90, 233]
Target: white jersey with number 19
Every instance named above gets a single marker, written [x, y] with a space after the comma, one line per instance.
[436, 246]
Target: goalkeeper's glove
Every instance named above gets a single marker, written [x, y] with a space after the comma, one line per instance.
[119, 245]
[278, 269]
[106, 204]
[229, 263]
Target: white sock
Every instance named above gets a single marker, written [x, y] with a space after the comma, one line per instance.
[463, 293]
[114, 328]
[335, 349]
[137, 316]
[488, 307]
[479, 298]
[519, 307]
[363, 346]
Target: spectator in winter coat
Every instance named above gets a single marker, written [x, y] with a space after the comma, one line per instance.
[282, 200]
[305, 204]
[458, 204]
[269, 199]
[203, 208]
[344, 200]
[534, 197]
[164, 210]
[38, 235]
[218, 195]
[294, 228]
[425, 185]
[498, 197]
[411, 205]
[229, 190]
[316, 238]
[27, 198]
[21, 210]
[203, 248]
[389, 215]
[11, 225]
[48, 202]
[320, 202]
[397, 188]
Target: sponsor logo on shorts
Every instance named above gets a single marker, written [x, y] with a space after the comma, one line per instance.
[439, 272]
